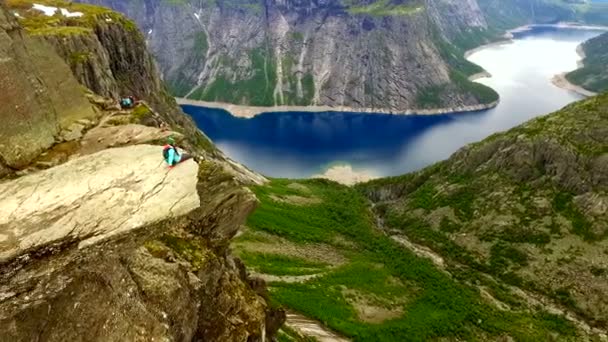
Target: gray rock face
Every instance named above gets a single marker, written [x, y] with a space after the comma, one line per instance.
[130, 188]
[71, 265]
[112, 245]
[305, 52]
[38, 96]
[455, 17]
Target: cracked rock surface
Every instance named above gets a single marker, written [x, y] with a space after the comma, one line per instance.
[94, 197]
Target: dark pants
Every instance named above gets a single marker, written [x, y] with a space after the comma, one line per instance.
[184, 157]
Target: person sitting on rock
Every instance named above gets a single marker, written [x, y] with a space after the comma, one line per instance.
[172, 155]
[128, 102]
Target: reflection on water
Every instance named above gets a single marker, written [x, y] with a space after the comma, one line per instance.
[303, 144]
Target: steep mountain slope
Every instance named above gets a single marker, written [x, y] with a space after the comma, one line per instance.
[363, 54]
[106, 243]
[36, 108]
[593, 75]
[505, 240]
[107, 54]
[527, 207]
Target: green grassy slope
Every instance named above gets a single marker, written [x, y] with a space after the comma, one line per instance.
[526, 207]
[503, 232]
[368, 287]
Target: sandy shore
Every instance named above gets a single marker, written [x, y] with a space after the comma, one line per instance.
[250, 111]
[344, 174]
[558, 80]
[483, 74]
[562, 82]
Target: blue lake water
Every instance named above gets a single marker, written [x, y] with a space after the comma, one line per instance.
[299, 145]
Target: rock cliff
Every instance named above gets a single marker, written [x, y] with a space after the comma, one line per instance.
[99, 240]
[39, 96]
[114, 246]
[363, 54]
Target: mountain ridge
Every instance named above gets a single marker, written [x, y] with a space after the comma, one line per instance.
[381, 60]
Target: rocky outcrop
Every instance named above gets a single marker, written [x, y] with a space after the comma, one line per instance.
[456, 17]
[108, 55]
[107, 243]
[527, 207]
[72, 265]
[130, 188]
[39, 97]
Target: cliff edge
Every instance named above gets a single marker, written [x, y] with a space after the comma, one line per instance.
[99, 239]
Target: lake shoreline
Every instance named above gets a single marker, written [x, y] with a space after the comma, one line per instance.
[562, 82]
[558, 80]
[248, 112]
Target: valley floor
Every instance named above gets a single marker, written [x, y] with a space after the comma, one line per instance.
[327, 257]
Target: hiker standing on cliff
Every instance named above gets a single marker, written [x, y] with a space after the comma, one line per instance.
[172, 155]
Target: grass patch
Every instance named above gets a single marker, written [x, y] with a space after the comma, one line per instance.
[280, 264]
[191, 250]
[382, 8]
[37, 23]
[434, 305]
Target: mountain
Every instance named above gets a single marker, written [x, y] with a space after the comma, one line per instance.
[389, 55]
[593, 75]
[381, 54]
[505, 240]
[99, 240]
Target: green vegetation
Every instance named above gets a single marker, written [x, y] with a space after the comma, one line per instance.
[383, 8]
[497, 210]
[453, 54]
[175, 2]
[256, 90]
[37, 23]
[181, 83]
[594, 73]
[280, 264]
[288, 335]
[415, 301]
[430, 97]
[189, 248]
[562, 203]
[79, 57]
[482, 93]
[297, 36]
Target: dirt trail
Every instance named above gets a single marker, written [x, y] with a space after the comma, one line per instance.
[421, 251]
[311, 328]
[286, 279]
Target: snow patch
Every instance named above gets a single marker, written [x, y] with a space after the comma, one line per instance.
[149, 32]
[50, 11]
[198, 16]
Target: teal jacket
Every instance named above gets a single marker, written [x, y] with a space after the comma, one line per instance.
[172, 157]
